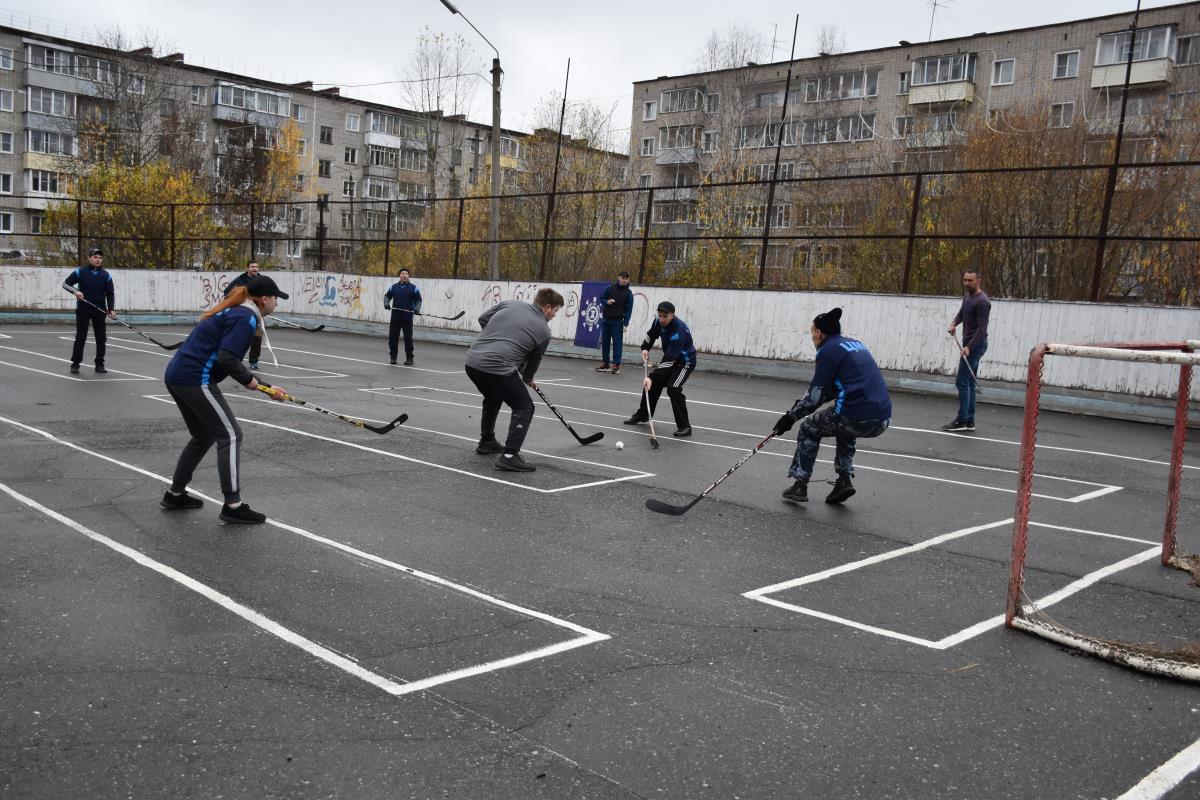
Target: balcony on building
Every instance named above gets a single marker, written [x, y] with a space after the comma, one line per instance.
[677, 155]
[682, 194]
[942, 79]
[379, 171]
[1151, 52]
[393, 141]
[1154, 72]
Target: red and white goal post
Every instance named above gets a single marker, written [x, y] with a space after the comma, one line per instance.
[1022, 612]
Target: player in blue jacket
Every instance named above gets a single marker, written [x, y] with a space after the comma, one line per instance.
[94, 284]
[847, 375]
[404, 300]
[213, 350]
[678, 361]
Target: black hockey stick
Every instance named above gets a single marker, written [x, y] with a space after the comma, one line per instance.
[294, 325]
[459, 315]
[358, 423]
[676, 511]
[175, 346]
[595, 437]
[646, 395]
[966, 363]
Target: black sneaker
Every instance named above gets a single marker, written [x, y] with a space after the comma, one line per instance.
[408, 362]
[843, 490]
[74, 369]
[797, 492]
[684, 431]
[616, 370]
[958, 425]
[392, 361]
[603, 368]
[636, 419]
[242, 515]
[100, 370]
[512, 462]
[489, 447]
[179, 501]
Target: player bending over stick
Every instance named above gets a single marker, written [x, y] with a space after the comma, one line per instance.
[846, 374]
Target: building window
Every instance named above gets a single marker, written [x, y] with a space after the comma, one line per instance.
[293, 248]
[767, 99]
[324, 167]
[647, 146]
[346, 251]
[943, 69]
[297, 215]
[57, 144]
[1151, 43]
[301, 147]
[711, 141]
[36, 222]
[351, 155]
[414, 160]
[1187, 51]
[264, 247]
[46, 60]
[199, 96]
[299, 113]
[259, 100]
[1062, 115]
[1066, 65]
[326, 135]
[136, 83]
[45, 101]
[200, 133]
[677, 136]
[348, 188]
[96, 70]
[903, 125]
[712, 103]
[843, 86]
[6, 219]
[1180, 105]
[5, 183]
[639, 220]
[166, 107]
[1002, 71]
[352, 122]
[649, 110]
[6, 99]
[679, 100]
[41, 180]
[903, 83]
[857, 128]
[6, 142]
[644, 181]
[6, 58]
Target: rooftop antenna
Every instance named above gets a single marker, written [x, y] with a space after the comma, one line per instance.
[934, 5]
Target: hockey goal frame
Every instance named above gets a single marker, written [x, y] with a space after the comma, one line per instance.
[1024, 616]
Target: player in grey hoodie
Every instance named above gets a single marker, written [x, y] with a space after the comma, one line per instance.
[504, 357]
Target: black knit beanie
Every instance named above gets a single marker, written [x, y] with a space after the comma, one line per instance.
[829, 323]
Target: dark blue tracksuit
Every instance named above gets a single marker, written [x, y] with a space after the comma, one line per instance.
[615, 318]
[403, 299]
[97, 287]
[846, 374]
[679, 359]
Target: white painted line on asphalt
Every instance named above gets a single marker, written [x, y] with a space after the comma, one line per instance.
[133, 375]
[56, 375]
[587, 635]
[762, 594]
[1168, 776]
[153, 350]
[369, 361]
[1102, 490]
[634, 474]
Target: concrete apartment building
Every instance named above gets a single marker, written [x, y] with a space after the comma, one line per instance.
[349, 149]
[898, 108]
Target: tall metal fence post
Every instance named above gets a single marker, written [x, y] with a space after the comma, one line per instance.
[645, 233]
[387, 239]
[253, 242]
[906, 275]
[321, 234]
[458, 234]
[171, 250]
[79, 231]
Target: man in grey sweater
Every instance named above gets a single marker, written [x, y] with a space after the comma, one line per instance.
[505, 356]
[974, 314]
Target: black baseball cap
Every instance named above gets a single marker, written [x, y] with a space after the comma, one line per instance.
[667, 306]
[262, 286]
[95, 251]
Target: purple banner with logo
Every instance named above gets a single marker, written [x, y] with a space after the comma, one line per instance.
[587, 327]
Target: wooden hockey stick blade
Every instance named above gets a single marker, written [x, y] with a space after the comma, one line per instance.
[666, 508]
[391, 426]
[654, 442]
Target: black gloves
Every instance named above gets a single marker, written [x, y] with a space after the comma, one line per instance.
[784, 424]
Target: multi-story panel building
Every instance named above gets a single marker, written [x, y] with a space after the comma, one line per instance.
[903, 108]
[65, 104]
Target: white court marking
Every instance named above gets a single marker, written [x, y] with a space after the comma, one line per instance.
[1168, 776]
[1102, 488]
[633, 476]
[971, 437]
[970, 632]
[586, 635]
[369, 361]
[133, 375]
[153, 350]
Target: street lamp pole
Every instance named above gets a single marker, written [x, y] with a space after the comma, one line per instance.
[494, 227]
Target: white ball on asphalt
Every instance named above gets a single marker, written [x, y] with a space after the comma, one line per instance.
[620, 445]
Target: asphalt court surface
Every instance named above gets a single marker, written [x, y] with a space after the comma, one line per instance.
[415, 623]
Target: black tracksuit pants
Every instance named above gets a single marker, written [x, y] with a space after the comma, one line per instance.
[402, 322]
[210, 421]
[670, 377]
[84, 317]
[506, 390]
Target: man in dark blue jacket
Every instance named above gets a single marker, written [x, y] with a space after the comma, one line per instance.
[678, 361]
[616, 310]
[242, 280]
[94, 284]
[404, 299]
[847, 375]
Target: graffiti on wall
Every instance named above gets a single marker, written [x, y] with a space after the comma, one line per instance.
[333, 291]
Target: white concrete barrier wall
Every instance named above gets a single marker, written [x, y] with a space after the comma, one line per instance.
[906, 333]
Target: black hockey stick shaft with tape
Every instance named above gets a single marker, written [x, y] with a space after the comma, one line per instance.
[358, 423]
[676, 511]
[120, 321]
[595, 437]
[294, 324]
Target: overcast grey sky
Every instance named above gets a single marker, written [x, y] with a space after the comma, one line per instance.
[610, 43]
